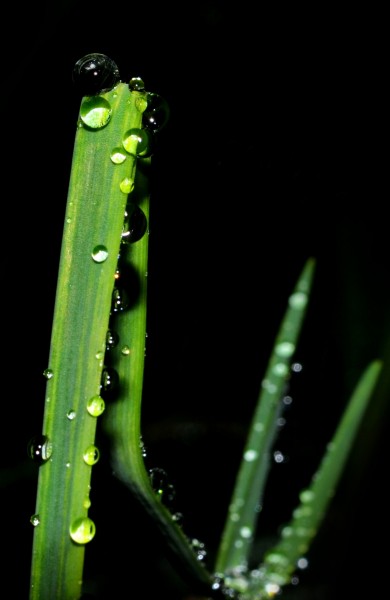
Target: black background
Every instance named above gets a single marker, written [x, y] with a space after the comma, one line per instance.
[274, 152]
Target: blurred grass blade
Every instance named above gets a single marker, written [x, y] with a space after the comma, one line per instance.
[244, 506]
[281, 560]
[90, 244]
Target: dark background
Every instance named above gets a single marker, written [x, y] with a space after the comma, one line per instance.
[274, 152]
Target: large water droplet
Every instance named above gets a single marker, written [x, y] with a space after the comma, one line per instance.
[138, 142]
[99, 253]
[95, 112]
[96, 406]
[82, 530]
[126, 185]
[94, 73]
[40, 448]
[156, 115]
[91, 455]
[134, 225]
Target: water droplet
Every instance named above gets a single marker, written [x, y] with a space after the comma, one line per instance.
[141, 104]
[71, 414]
[109, 381]
[95, 112]
[298, 300]
[199, 548]
[280, 369]
[117, 156]
[278, 559]
[40, 449]
[112, 339]
[35, 520]
[99, 354]
[94, 73]
[120, 300]
[246, 532]
[302, 563]
[296, 367]
[250, 455]
[259, 427]
[138, 142]
[95, 406]
[91, 455]
[127, 185]
[278, 456]
[306, 496]
[48, 373]
[136, 84]
[82, 530]
[285, 349]
[99, 253]
[87, 502]
[156, 115]
[134, 224]
[287, 400]
[125, 351]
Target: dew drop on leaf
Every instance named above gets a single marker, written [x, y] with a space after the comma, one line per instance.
[95, 112]
[94, 73]
[35, 520]
[156, 114]
[40, 449]
[82, 530]
[136, 84]
[134, 225]
[99, 253]
[95, 406]
[91, 455]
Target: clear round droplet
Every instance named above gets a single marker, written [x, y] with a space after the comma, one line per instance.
[112, 339]
[94, 73]
[82, 530]
[126, 185]
[109, 381]
[120, 300]
[134, 225]
[125, 350]
[99, 253]
[285, 349]
[91, 455]
[138, 142]
[298, 300]
[35, 520]
[96, 406]
[71, 414]
[40, 449]
[117, 156]
[156, 114]
[95, 112]
[136, 84]
[48, 373]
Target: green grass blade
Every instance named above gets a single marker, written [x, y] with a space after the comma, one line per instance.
[281, 560]
[94, 218]
[237, 537]
[122, 419]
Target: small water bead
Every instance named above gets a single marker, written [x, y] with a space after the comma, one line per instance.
[126, 185]
[99, 355]
[141, 104]
[279, 457]
[109, 381]
[138, 142]
[136, 84]
[82, 530]
[156, 114]
[296, 367]
[302, 563]
[48, 373]
[298, 300]
[246, 532]
[71, 414]
[250, 455]
[134, 225]
[120, 300]
[199, 549]
[35, 520]
[40, 449]
[91, 455]
[112, 339]
[95, 112]
[125, 351]
[117, 156]
[96, 406]
[306, 496]
[94, 73]
[87, 502]
[285, 349]
[280, 369]
[99, 253]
